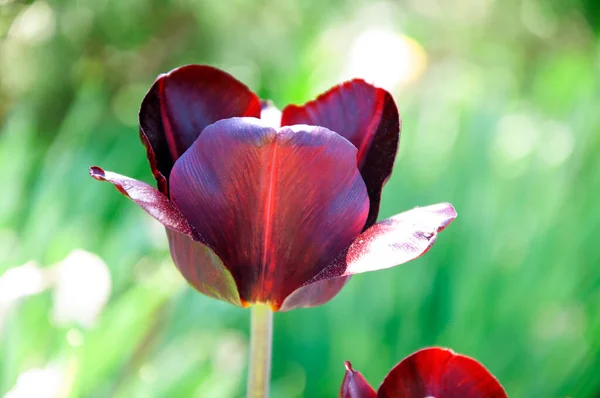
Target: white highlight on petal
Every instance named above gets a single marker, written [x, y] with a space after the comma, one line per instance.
[39, 383]
[271, 115]
[83, 286]
[398, 239]
[385, 58]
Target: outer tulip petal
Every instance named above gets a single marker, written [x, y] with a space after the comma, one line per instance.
[367, 116]
[202, 268]
[391, 242]
[287, 198]
[148, 198]
[181, 104]
[314, 294]
[440, 373]
[354, 385]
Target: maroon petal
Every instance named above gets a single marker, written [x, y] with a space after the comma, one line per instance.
[202, 268]
[274, 205]
[354, 385]
[367, 116]
[149, 199]
[391, 242]
[438, 372]
[314, 294]
[181, 104]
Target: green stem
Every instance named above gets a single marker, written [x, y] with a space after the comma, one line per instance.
[261, 336]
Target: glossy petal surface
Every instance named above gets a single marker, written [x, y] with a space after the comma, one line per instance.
[276, 206]
[148, 198]
[367, 116]
[440, 373]
[354, 385]
[391, 242]
[314, 294]
[202, 268]
[181, 104]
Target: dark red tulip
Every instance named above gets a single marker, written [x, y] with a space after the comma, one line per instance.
[430, 372]
[272, 207]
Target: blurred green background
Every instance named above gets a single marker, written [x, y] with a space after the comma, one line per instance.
[501, 116]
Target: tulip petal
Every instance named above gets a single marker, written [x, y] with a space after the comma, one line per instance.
[181, 103]
[202, 268]
[438, 372]
[276, 206]
[148, 198]
[354, 385]
[367, 116]
[314, 294]
[391, 242]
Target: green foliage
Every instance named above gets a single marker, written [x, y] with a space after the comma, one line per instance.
[503, 123]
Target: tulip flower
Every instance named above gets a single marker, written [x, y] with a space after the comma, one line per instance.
[273, 208]
[281, 213]
[430, 372]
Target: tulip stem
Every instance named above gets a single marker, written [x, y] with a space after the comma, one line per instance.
[261, 336]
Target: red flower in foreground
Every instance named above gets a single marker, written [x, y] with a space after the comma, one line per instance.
[279, 210]
[430, 372]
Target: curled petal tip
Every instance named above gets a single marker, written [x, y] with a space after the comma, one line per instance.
[97, 173]
[354, 385]
[391, 242]
[439, 216]
[148, 198]
[450, 212]
[348, 366]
